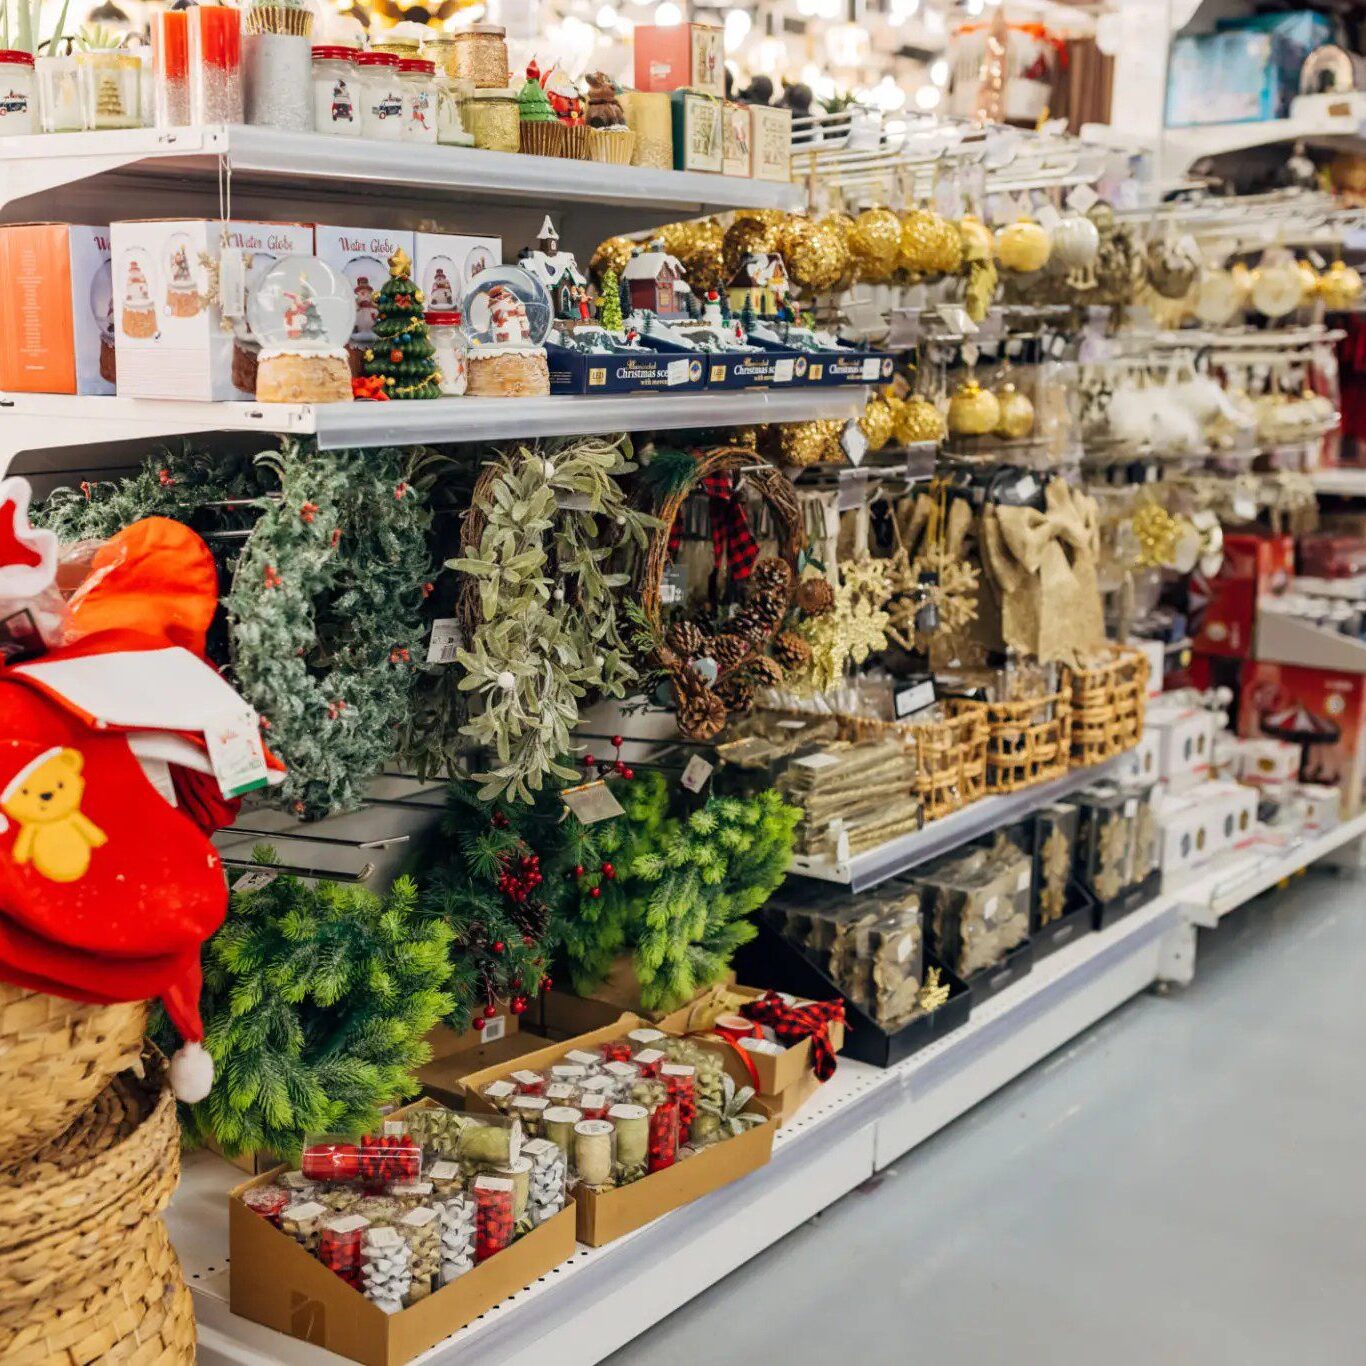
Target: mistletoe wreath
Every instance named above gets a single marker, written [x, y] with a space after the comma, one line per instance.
[537, 603]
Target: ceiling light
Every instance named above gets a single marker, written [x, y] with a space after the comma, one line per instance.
[668, 15]
[939, 72]
[607, 16]
[738, 25]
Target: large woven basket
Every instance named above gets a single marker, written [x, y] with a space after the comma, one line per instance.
[74, 1208]
[55, 1057]
[1028, 742]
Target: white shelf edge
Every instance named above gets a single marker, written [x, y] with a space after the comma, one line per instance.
[1350, 483]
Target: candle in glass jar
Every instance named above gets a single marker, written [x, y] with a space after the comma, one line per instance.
[171, 66]
[215, 64]
[381, 96]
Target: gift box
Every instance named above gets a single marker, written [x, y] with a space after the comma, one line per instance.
[446, 264]
[1223, 609]
[1267, 761]
[648, 371]
[169, 277]
[699, 140]
[1185, 740]
[737, 140]
[678, 56]
[56, 310]
[362, 255]
[771, 141]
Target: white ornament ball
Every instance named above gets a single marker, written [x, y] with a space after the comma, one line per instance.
[507, 680]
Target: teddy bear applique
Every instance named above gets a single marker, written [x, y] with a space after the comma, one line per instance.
[44, 800]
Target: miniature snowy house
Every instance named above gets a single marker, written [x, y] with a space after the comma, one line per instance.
[762, 283]
[654, 283]
[557, 270]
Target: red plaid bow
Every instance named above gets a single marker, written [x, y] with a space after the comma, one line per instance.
[732, 541]
[792, 1024]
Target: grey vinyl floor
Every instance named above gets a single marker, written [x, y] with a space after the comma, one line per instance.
[1184, 1183]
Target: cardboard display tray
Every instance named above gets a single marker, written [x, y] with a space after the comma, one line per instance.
[610, 1213]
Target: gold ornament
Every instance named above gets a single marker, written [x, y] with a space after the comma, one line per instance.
[874, 243]
[853, 629]
[613, 254]
[973, 411]
[814, 252]
[978, 242]
[933, 991]
[1340, 286]
[746, 236]
[913, 252]
[1310, 277]
[1056, 864]
[877, 422]
[1024, 246]
[919, 420]
[1157, 533]
[797, 444]
[946, 246]
[953, 592]
[1016, 419]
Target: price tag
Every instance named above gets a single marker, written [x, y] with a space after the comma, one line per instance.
[445, 641]
[696, 774]
[784, 369]
[232, 283]
[592, 802]
[854, 443]
[239, 762]
[971, 353]
[908, 701]
[257, 880]
[493, 1029]
[673, 588]
[1048, 217]
[871, 370]
[677, 372]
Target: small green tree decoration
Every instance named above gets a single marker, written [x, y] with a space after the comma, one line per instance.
[609, 302]
[402, 352]
[684, 888]
[317, 1000]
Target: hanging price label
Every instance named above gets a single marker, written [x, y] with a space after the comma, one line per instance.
[696, 774]
[235, 753]
[592, 802]
[445, 641]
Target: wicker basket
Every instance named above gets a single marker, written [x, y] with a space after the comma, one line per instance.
[1029, 741]
[1108, 704]
[55, 1057]
[72, 1208]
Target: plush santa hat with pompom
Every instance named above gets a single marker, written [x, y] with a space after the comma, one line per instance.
[113, 775]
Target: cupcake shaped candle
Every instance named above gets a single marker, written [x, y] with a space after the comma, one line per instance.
[541, 134]
[610, 137]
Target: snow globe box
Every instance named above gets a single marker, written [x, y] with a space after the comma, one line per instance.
[656, 368]
[171, 281]
[362, 255]
[446, 264]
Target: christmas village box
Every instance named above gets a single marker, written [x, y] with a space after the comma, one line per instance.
[609, 1213]
[647, 370]
[275, 1281]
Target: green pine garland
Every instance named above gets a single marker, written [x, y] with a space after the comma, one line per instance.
[685, 888]
[317, 1000]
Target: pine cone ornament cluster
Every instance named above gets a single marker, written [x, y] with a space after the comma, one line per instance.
[791, 651]
[701, 713]
[737, 695]
[761, 615]
[729, 648]
[686, 639]
[815, 596]
[771, 576]
[764, 672]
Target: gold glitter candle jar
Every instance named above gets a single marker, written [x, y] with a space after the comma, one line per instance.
[650, 117]
[481, 56]
[493, 120]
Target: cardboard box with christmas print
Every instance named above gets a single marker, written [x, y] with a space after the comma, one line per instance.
[676, 56]
[1223, 609]
[1322, 711]
[612, 1212]
[446, 264]
[737, 139]
[771, 140]
[362, 255]
[170, 277]
[56, 309]
[699, 140]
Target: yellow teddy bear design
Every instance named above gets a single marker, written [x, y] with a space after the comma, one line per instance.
[44, 799]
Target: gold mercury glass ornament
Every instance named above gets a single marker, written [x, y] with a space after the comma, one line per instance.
[1024, 246]
[1340, 286]
[1016, 419]
[973, 411]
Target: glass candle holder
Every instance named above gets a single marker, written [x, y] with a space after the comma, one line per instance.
[215, 64]
[171, 67]
[19, 108]
[59, 94]
[111, 89]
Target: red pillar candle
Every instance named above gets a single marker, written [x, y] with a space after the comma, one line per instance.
[171, 67]
[215, 53]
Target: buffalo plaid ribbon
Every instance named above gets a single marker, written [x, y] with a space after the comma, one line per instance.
[792, 1024]
[732, 542]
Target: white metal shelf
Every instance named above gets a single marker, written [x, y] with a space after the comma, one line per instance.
[860, 1122]
[897, 856]
[1317, 120]
[31, 422]
[1349, 483]
[269, 159]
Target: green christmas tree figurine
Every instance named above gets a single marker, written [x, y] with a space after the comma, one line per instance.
[402, 351]
[609, 302]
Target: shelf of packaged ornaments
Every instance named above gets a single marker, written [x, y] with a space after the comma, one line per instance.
[864, 1119]
[270, 160]
[31, 422]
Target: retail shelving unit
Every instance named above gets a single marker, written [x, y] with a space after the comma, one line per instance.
[862, 1121]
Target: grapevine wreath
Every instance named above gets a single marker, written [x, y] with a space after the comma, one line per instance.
[537, 605]
[712, 673]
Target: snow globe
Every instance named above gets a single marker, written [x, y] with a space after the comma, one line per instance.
[302, 312]
[507, 316]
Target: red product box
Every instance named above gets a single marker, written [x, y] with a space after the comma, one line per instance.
[1331, 555]
[1322, 711]
[1223, 610]
[681, 57]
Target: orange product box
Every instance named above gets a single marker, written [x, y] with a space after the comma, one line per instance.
[681, 57]
[56, 309]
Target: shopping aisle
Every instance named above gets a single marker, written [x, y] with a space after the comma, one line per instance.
[1181, 1184]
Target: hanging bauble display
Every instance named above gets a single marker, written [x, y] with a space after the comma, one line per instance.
[1076, 242]
[973, 411]
[797, 444]
[815, 253]
[613, 254]
[1277, 285]
[1016, 418]
[1310, 277]
[1218, 298]
[1340, 286]
[698, 247]
[916, 249]
[874, 243]
[877, 422]
[919, 420]
[1024, 246]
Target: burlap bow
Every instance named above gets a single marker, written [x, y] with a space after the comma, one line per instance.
[1044, 566]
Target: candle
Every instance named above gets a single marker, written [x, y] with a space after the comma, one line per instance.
[593, 1151]
[215, 55]
[171, 68]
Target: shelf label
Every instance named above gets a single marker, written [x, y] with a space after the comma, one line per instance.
[445, 641]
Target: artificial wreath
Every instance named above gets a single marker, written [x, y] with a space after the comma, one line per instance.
[317, 1001]
[544, 526]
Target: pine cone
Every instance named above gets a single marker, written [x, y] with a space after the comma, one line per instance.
[737, 696]
[791, 651]
[764, 672]
[771, 576]
[685, 639]
[815, 596]
[761, 616]
[701, 714]
[728, 649]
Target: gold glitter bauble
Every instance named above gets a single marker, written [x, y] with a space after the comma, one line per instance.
[745, 236]
[874, 244]
[612, 254]
[973, 411]
[877, 422]
[919, 420]
[834, 230]
[1023, 246]
[916, 249]
[699, 250]
[814, 254]
[1016, 419]
[1340, 286]
[797, 444]
[1310, 277]
[946, 246]
[978, 242]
